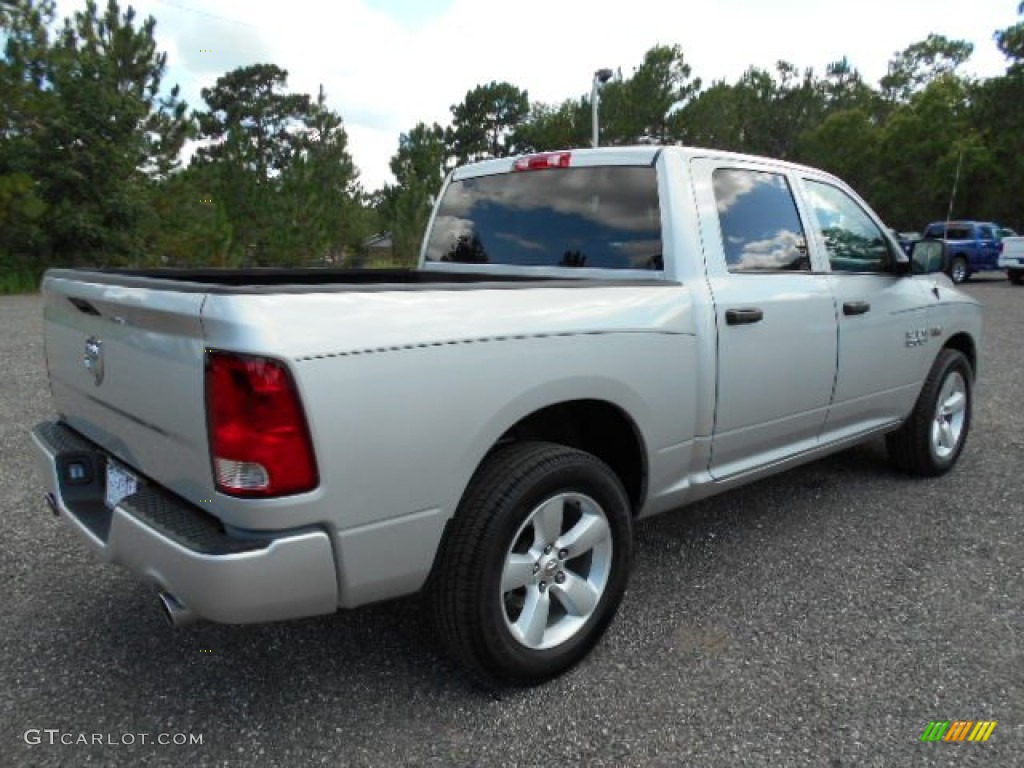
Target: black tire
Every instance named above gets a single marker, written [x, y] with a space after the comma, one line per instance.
[469, 609]
[959, 270]
[1016, 276]
[911, 447]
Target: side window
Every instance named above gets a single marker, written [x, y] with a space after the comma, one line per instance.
[985, 232]
[761, 228]
[853, 241]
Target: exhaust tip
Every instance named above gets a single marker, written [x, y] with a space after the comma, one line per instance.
[177, 615]
[51, 502]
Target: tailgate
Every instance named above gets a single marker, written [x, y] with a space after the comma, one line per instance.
[126, 370]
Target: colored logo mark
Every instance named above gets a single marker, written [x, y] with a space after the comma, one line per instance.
[958, 730]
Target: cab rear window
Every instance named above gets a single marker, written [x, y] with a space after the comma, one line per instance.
[604, 217]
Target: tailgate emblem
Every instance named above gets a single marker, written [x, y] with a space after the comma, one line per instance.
[93, 360]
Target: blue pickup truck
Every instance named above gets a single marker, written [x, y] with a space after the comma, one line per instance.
[971, 246]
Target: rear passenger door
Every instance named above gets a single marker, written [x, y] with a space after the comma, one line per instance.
[775, 316]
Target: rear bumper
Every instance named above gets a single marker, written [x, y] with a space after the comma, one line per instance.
[1011, 263]
[181, 549]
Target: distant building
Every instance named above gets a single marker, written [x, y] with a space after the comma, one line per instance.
[378, 250]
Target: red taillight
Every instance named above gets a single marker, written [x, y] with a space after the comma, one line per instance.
[259, 440]
[541, 161]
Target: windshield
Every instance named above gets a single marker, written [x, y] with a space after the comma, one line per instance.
[604, 217]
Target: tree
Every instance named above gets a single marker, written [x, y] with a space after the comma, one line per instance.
[643, 108]
[919, 151]
[997, 114]
[713, 119]
[846, 143]
[320, 191]
[189, 224]
[658, 87]
[251, 122]
[90, 127]
[844, 88]
[22, 79]
[256, 131]
[919, 64]
[1011, 43]
[763, 113]
[275, 184]
[486, 118]
[419, 167]
[755, 94]
[549, 127]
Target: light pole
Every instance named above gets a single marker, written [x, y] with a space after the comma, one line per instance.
[601, 77]
[952, 195]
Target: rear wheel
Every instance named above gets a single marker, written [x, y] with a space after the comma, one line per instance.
[535, 563]
[932, 438]
[1016, 276]
[959, 270]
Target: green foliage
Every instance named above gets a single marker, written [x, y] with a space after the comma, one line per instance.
[251, 122]
[994, 179]
[919, 151]
[846, 143]
[921, 63]
[639, 109]
[278, 164]
[21, 213]
[189, 226]
[550, 127]
[763, 113]
[419, 167]
[88, 128]
[1011, 43]
[484, 121]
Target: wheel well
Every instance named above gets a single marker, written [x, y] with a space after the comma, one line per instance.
[965, 344]
[597, 427]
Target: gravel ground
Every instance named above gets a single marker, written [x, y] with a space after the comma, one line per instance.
[819, 618]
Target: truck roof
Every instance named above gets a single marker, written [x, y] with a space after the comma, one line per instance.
[631, 155]
[963, 223]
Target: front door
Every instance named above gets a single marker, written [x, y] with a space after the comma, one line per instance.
[885, 340]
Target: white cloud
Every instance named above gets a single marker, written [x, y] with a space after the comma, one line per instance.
[384, 74]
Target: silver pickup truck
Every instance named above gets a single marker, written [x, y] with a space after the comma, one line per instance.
[591, 337]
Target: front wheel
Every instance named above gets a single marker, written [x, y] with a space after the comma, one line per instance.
[535, 563]
[932, 438]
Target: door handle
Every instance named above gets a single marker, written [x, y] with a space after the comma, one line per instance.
[856, 308]
[743, 316]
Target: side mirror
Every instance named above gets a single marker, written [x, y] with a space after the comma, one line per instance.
[928, 257]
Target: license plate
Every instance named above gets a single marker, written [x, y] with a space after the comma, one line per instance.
[120, 483]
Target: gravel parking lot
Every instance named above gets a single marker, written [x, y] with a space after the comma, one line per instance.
[821, 618]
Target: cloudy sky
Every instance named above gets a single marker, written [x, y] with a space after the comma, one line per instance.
[387, 64]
